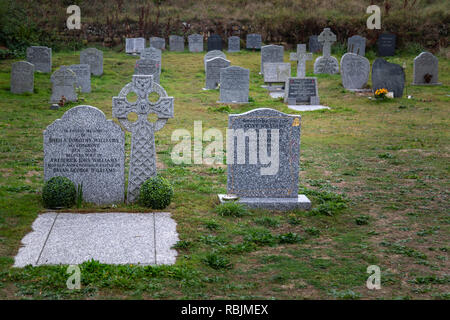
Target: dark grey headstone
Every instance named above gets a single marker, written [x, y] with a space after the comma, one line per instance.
[64, 82]
[22, 77]
[148, 67]
[254, 41]
[234, 44]
[355, 71]
[386, 44]
[195, 43]
[176, 43]
[300, 91]
[271, 54]
[41, 57]
[426, 69]
[89, 150]
[158, 43]
[83, 72]
[94, 58]
[276, 72]
[234, 84]
[387, 75]
[214, 42]
[213, 67]
[314, 45]
[357, 44]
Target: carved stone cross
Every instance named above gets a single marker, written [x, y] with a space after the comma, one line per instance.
[301, 57]
[327, 38]
[143, 153]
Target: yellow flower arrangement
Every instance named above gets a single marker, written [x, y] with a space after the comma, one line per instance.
[381, 93]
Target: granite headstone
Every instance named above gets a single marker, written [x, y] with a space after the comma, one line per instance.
[40, 57]
[213, 67]
[271, 54]
[213, 54]
[389, 76]
[386, 44]
[277, 72]
[301, 56]
[234, 44]
[357, 44]
[326, 64]
[314, 45]
[214, 42]
[22, 77]
[253, 41]
[426, 69]
[64, 82]
[234, 84]
[158, 43]
[134, 45]
[94, 58]
[195, 43]
[148, 67]
[176, 43]
[355, 71]
[83, 73]
[301, 91]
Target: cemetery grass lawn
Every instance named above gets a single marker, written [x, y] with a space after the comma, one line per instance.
[377, 173]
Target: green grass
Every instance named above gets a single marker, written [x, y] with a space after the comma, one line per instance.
[376, 173]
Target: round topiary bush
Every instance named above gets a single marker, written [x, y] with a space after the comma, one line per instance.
[156, 193]
[59, 192]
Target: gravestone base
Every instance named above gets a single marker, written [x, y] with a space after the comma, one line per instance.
[307, 107]
[279, 204]
[359, 90]
[232, 102]
[427, 84]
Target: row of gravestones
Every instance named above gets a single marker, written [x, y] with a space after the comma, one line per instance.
[195, 43]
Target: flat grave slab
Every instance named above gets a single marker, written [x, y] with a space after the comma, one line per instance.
[307, 107]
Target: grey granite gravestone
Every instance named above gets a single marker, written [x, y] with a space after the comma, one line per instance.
[64, 83]
[357, 44]
[271, 54]
[148, 67]
[143, 151]
[213, 54]
[22, 77]
[234, 85]
[134, 45]
[90, 150]
[253, 41]
[277, 72]
[389, 76]
[195, 43]
[301, 91]
[301, 56]
[151, 53]
[355, 71]
[426, 69]
[386, 44]
[264, 172]
[40, 57]
[83, 73]
[234, 44]
[158, 43]
[213, 67]
[176, 43]
[314, 45]
[326, 63]
[94, 58]
[214, 42]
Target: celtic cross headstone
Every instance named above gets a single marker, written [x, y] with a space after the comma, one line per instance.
[326, 39]
[143, 153]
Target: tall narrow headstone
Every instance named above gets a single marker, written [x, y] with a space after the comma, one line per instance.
[176, 43]
[263, 153]
[213, 67]
[22, 77]
[64, 82]
[143, 151]
[234, 44]
[326, 63]
[234, 85]
[195, 43]
[301, 56]
[41, 58]
[253, 41]
[357, 44]
[94, 58]
[158, 43]
[214, 42]
[83, 72]
[355, 71]
[314, 45]
[90, 151]
[426, 69]
[386, 44]
[148, 67]
[389, 76]
[271, 54]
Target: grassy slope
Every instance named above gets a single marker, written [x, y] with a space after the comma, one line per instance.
[390, 160]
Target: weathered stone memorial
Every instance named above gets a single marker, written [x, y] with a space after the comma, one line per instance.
[89, 150]
[148, 67]
[426, 70]
[357, 44]
[389, 76]
[64, 83]
[386, 44]
[213, 67]
[314, 44]
[151, 53]
[83, 73]
[158, 43]
[301, 91]
[214, 42]
[22, 77]
[263, 152]
[271, 54]
[254, 41]
[234, 85]
[301, 56]
[276, 72]
[41, 58]
[94, 58]
[213, 54]
[176, 43]
[134, 45]
[143, 152]
[234, 44]
[195, 43]
[326, 63]
[355, 71]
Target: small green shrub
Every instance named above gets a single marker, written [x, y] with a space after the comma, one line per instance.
[312, 231]
[362, 220]
[156, 193]
[217, 262]
[289, 237]
[231, 209]
[59, 192]
[260, 237]
[182, 244]
[268, 222]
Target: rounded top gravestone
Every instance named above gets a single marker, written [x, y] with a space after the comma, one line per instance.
[22, 77]
[354, 71]
[41, 57]
[389, 76]
[94, 58]
[195, 43]
[426, 69]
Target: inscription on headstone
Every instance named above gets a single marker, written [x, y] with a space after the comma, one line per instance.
[234, 84]
[134, 45]
[83, 73]
[357, 44]
[389, 76]
[148, 67]
[276, 72]
[213, 67]
[41, 58]
[176, 43]
[22, 77]
[386, 44]
[89, 150]
[195, 43]
[301, 91]
[253, 41]
[94, 58]
[158, 43]
[64, 82]
[426, 69]
[271, 54]
[234, 44]
[354, 71]
[214, 42]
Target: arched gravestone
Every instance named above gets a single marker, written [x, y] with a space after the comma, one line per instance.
[148, 67]
[22, 77]
[213, 66]
[426, 69]
[214, 42]
[355, 71]
[153, 54]
[41, 57]
[195, 43]
[176, 43]
[271, 54]
[158, 43]
[357, 44]
[213, 54]
[326, 63]
[234, 85]
[83, 72]
[253, 41]
[64, 83]
[389, 76]
[89, 150]
[94, 58]
[234, 44]
[143, 152]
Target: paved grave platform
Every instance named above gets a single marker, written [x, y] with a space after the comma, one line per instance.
[111, 238]
[307, 107]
